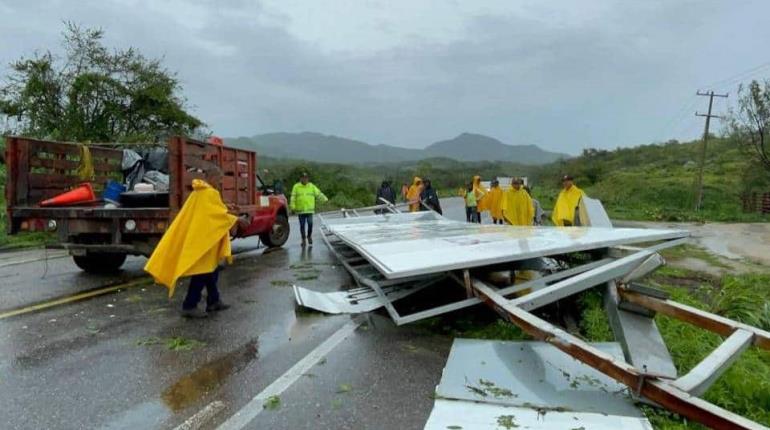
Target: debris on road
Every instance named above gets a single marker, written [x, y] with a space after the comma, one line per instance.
[391, 249]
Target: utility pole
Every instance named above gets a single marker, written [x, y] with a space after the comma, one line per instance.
[702, 161]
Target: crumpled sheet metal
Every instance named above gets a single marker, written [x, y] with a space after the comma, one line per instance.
[401, 245]
[535, 383]
[450, 414]
[347, 302]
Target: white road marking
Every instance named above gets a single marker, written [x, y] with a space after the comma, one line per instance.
[256, 405]
[25, 260]
[202, 417]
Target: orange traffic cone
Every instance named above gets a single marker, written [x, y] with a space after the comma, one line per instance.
[83, 193]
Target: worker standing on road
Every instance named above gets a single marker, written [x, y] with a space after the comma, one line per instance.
[517, 205]
[481, 200]
[429, 198]
[494, 199]
[413, 195]
[566, 203]
[471, 204]
[303, 198]
[385, 194]
[195, 244]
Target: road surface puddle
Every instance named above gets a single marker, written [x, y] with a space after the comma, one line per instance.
[192, 387]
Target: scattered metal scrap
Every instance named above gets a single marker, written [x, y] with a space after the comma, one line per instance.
[533, 385]
[391, 255]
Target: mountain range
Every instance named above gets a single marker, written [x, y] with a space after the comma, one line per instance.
[333, 149]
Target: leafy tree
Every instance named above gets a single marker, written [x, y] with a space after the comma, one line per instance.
[93, 94]
[750, 124]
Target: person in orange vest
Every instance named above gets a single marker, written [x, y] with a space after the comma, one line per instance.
[567, 202]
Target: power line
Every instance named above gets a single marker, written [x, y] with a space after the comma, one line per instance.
[738, 76]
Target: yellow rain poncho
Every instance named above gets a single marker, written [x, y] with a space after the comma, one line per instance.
[494, 200]
[196, 242]
[413, 195]
[518, 208]
[483, 203]
[564, 210]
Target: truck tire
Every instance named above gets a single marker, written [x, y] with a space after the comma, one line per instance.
[279, 234]
[101, 263]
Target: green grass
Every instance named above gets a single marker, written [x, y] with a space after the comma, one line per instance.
[176, 343]
[692, 251]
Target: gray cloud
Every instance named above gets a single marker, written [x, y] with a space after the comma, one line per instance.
[611, 74]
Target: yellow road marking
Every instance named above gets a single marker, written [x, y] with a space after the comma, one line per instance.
[75, 298]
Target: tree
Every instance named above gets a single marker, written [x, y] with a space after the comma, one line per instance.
[93, 94]
[750, 124]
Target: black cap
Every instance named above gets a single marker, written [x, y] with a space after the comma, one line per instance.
[303, 175]
[566, 178]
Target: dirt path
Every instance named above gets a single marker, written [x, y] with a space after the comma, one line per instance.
[739, 248]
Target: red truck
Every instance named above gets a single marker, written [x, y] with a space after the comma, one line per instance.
[99, 236]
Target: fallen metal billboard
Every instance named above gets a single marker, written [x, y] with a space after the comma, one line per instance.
[401, 245]
[386, 252]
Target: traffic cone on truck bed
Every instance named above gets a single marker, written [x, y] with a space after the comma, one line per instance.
[82, 194]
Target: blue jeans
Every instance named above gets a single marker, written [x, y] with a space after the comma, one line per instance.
[305, 219]
[194, 290]
[471, 214]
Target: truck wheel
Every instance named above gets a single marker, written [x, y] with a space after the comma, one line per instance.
[279, 234]
[100, 263]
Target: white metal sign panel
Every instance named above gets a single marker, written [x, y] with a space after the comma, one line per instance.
[401, 245]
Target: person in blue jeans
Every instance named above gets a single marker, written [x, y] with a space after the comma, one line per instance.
[194, 293]
[303, 199]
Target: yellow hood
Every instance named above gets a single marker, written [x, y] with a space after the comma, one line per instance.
[197, 240]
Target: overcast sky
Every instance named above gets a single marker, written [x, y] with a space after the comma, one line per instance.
[564, 75]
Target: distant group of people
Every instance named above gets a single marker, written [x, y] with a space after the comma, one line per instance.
[514, 206]
[421, 196]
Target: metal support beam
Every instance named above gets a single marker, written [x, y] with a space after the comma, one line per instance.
[581, 282]
[643, 345]
[705, 373]
[649, 387]
[714, 323]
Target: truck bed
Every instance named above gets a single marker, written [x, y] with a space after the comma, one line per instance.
[38, 170]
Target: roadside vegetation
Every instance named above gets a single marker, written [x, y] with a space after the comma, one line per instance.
[649, 182]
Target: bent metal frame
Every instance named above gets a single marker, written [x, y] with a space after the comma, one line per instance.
[617, 270]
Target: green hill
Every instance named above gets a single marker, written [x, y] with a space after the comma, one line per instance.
[333, 149]
[656, 182]
[477, 147]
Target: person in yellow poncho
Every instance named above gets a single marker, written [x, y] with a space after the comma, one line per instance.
[517, 205]
[494, 199]
[197, 241]
[568, 200]
[413, 195]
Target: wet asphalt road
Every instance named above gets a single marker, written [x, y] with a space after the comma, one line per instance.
[118, 361]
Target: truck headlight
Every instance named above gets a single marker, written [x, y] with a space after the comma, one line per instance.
[130, 225]
[52, 225]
